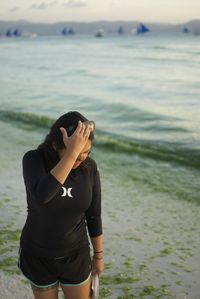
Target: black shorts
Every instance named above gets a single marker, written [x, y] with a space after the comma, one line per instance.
[71, 270]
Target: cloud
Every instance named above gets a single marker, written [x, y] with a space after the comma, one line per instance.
[13, 9]
[44, 5]
[69, 4]
[74, 3]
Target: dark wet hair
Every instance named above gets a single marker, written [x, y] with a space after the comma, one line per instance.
[69, 121]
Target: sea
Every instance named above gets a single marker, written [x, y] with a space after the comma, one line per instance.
[143, 93]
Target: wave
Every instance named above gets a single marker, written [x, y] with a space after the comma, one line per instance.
[26, 119]
[169, 152]
[167, 59]
[163, 48]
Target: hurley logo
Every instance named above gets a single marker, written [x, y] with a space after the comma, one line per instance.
[67, 192]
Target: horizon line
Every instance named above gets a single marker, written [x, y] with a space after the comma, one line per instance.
[96, 21]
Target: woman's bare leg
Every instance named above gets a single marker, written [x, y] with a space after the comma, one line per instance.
[77, 292]
[45, 293]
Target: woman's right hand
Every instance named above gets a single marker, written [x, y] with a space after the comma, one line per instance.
[76, 142]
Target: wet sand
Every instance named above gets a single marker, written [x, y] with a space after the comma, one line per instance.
[151, 240]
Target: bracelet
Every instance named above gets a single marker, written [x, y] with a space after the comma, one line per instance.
[98, 251]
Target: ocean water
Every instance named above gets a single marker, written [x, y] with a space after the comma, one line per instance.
[145, 89]
[143, 94]
[142, 91]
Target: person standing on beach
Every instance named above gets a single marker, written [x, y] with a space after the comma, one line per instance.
[64, 203]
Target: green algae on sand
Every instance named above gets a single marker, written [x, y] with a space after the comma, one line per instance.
[9, 240]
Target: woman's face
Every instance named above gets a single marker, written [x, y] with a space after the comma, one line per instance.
[82, 156]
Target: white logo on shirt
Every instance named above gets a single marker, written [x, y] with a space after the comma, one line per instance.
[67, 192]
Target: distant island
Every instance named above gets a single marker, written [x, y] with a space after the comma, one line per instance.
[114, 27]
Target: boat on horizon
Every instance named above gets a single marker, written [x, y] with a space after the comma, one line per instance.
[141, 29]
[71, 31]
[8, 33]
[100, 33]
[186, 30]
[65, 31]
[17, 33]
[120, 30]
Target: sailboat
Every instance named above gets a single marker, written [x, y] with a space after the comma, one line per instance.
[120, 30]
[9, 33]
[71, 31]
[17, 33]
[64, 31]
[186, 30]
[141, 29]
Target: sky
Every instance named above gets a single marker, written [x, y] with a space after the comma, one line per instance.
[173, 11]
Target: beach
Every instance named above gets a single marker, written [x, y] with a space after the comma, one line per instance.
[150, 248]
[146, 147]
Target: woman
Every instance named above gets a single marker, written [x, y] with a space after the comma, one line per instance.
[64, 206]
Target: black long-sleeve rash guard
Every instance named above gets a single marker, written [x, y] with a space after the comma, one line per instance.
[59, 214]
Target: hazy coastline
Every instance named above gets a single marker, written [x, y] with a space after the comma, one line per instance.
[110, 27]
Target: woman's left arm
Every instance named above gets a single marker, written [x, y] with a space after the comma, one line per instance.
[94, 223]
[97, 261]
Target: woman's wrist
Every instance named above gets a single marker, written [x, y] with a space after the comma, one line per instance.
[98, 254]
[97, 258]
